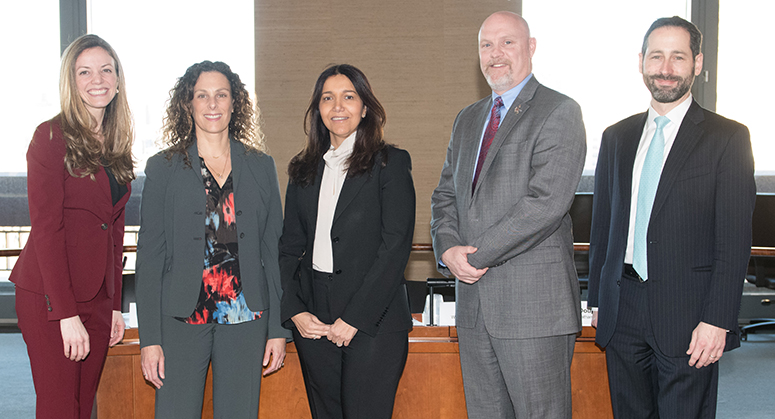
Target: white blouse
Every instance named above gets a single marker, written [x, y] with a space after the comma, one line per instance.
[331, 183]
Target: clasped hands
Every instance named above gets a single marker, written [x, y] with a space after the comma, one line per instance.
[456, 260]
[310, 327]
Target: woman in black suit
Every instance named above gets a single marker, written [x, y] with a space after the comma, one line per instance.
[349, 221]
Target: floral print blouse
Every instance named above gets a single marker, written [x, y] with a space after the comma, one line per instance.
[220, 299]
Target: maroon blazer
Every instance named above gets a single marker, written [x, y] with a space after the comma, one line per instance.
[76, 242]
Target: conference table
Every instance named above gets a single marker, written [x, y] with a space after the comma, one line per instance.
[430, 388]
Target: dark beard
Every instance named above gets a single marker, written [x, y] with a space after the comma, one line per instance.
[668, 95]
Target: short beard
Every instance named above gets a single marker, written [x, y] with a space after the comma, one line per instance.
[668, 95]
[501, 84]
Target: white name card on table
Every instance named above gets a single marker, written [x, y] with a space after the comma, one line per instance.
[586, 315]
[443, 311]
[130, 319]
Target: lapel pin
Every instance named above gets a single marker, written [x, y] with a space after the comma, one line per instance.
[518, 109]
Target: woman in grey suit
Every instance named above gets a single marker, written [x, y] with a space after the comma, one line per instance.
[349, 220]
[208, 281]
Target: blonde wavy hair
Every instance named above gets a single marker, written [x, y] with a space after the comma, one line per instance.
[85, 153]
[179, 131]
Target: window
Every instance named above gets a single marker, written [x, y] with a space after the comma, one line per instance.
[589, 51]
[742, 52]
[158, 40]
[30, 73]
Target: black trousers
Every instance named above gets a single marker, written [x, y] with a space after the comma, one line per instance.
[646, 383]
[355, 381]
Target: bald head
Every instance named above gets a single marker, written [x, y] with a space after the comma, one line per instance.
[505, 16]
[505, 50]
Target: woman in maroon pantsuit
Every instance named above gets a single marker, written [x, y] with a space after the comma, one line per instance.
[68, 277]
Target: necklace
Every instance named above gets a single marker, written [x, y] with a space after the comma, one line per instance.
[220, 176]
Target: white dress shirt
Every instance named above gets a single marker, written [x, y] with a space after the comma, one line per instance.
[676, 116]
[331, 183]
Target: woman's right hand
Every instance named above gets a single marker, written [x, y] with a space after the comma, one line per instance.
[152, 364]
[309, 326]
[75, 338]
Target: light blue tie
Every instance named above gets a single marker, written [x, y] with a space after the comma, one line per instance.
[649, 180]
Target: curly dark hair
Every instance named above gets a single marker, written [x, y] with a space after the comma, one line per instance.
[369, 141]
[179, 131]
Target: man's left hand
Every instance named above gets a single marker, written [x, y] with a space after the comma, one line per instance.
[707, 345]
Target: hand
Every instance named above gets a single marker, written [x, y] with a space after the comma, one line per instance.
[594, 318]
[456, 260]
[341, 333]
[152, 364]
[309, 326]
[275, 349]
[117, 328]
[75, 338]
[707, 345]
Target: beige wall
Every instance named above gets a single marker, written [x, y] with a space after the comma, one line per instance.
[420, 57]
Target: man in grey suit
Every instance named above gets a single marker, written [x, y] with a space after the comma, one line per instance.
[671, 238]
[501, 227]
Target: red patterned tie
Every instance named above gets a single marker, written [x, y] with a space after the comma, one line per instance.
[489, 134]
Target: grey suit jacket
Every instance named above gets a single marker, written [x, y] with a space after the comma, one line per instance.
[518, 215]
[170, 249]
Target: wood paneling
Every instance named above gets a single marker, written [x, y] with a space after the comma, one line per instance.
[431, 386]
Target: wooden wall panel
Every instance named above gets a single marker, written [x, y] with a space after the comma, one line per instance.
[420, 57]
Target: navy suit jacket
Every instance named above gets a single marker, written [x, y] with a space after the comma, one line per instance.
[699, 235]
[371, 237]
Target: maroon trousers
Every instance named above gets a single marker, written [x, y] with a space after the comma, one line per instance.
[65, 389]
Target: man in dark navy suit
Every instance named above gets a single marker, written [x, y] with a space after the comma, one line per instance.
[671, 238]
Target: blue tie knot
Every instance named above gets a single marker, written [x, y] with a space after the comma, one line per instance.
[661, 121]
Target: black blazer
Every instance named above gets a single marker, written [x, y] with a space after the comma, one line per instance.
[371, 236]
[699, 237]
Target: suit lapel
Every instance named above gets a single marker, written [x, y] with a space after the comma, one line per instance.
[688, 135]
[237, 162]
[512, 117]
[196, 166]
[314, 196]
[104, 184]
[625, 153]
[349, 190]
[470, 149]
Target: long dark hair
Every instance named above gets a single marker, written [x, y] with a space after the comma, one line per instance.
[369, 140]
[179, 129]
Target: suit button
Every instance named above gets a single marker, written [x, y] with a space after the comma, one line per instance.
[338, 271]
[336, 240]
[242, 235]
[104, 226]
[50, 309]
[239, 212]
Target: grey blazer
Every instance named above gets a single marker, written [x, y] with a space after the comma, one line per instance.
[518, 215]
[170, 249]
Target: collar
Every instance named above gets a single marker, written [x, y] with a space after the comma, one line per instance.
[510, 95]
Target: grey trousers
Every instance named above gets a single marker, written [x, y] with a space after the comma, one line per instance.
[515, 378]
[236, 352]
